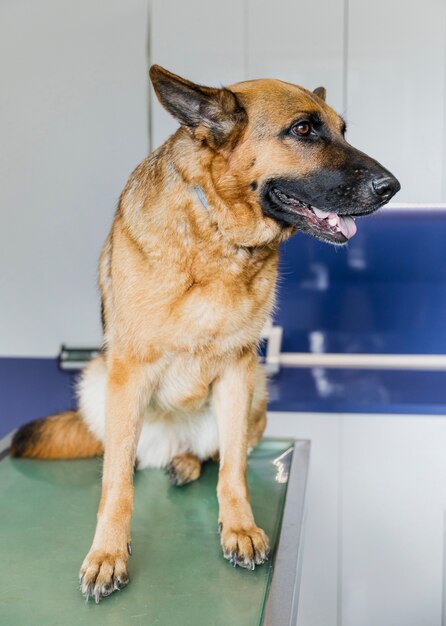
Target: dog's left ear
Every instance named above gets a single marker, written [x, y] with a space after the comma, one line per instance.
[321, 92]
[210, 114]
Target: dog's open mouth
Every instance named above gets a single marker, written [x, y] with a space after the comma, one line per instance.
[323, 224]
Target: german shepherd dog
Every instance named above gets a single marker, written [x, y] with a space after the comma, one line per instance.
[187, 279]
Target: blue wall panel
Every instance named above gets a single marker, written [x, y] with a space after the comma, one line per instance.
[383, 292]
[32, 388]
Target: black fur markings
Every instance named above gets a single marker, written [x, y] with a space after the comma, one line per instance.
[347, 190]
[26, 438]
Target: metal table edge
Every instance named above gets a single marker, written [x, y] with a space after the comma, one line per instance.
[283, 596]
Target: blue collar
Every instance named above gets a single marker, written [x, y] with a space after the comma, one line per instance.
[201, 196]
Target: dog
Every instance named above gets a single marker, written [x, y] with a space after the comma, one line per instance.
[187, 280]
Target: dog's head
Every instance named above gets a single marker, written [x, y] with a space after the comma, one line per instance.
[280, 150]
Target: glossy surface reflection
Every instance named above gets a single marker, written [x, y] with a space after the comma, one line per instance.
[178, 574]
[385, 292]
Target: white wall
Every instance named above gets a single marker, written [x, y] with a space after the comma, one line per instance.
[74, 119]
[203, 41]
[73, 125]
[396, 103]
[299, 42]
[383, 63]
[222, 43]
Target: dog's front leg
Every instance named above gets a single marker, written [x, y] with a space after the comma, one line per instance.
[242, 541]
[105, 567]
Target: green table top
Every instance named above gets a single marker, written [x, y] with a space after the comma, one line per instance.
[178, 576]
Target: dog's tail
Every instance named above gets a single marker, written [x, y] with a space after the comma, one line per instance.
[61, 436]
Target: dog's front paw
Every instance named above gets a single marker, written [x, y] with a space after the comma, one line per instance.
[245, 547]
[102, 573]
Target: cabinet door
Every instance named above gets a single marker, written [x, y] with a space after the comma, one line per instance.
[393, 481]
[222, 43]
[73, 126]
[299, 42]
[202, 41]
[396, 90]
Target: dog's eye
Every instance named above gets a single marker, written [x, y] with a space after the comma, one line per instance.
[301, 129]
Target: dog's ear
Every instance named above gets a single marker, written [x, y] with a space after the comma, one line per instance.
[321, 92]
[210, 114]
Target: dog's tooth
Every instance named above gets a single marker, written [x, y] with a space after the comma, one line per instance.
[333, 221]
[320, 213]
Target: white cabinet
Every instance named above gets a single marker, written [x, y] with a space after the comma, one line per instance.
[73, 125]
[222, 43]
[393, 484]
[396, 90]
[374, 543]
[383, 64]
[299, 42]
[199, 40]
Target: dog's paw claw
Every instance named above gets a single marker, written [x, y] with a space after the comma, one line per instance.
[121, 582]
[102, 573]
[97, 595]
[246, 547]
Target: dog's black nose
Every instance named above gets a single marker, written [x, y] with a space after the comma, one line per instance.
[386, 186]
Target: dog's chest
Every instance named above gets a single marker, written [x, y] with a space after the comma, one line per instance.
[202, 296]
[230, 297]
[185, 382]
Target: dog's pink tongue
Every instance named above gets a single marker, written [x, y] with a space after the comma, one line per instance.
[347, 226]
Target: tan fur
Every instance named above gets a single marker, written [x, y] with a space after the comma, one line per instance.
[61, 436]
[186, 292]
[188, 287]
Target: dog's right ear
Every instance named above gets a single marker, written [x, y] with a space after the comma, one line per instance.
[211, 114]
[321, 92]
